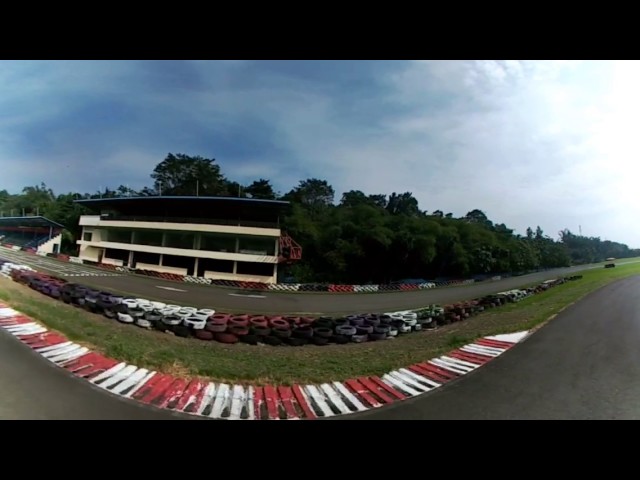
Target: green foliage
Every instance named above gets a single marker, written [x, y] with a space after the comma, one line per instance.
[363, 239]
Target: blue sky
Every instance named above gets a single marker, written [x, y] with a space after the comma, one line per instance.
[529, 142]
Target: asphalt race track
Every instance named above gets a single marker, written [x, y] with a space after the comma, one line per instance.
[35, 389]
[225, 299]
[585, 364]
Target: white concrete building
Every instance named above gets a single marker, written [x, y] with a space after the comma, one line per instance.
[213, 237]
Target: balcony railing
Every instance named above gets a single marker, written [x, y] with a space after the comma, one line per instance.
[204, 221]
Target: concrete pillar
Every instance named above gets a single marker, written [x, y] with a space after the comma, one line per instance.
[195, 267]
[235, 268]
[277, 247]
[275, 273]
[161, 257]
[237, 246]
[130, 263]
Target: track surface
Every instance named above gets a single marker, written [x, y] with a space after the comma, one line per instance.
[585, 364]
[35, 389]
[224, 299]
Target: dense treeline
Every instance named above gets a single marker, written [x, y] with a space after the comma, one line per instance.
[358, 238]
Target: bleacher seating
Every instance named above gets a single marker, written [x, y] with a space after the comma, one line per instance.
[23, 240]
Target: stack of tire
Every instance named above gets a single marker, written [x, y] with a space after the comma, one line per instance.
[206, 324]
[7, 268]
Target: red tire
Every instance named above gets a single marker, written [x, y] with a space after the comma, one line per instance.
[204, 335]
[216, 327]
[279, 323]
[238, 330]
[226, 338]
[292, 320]
[239, 321]
[258, 322]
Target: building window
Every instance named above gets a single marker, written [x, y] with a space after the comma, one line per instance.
[117, 254]
[220, 242]
[179, 240]
[87, 236]
[214, 265]
[145, 257]
[253, 268]
[119, 235]
[152, 238]
[257, 246]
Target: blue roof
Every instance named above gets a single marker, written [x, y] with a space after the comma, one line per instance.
[31, 221]
[192, 197]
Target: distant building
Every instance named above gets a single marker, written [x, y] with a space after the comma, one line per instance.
[212, 237]
[34, 233]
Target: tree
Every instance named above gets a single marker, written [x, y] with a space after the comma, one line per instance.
[479, 217]
[312, 193]
[529, 233]
[261, 189]
[234, 189]
[182, 174]
[403, 204]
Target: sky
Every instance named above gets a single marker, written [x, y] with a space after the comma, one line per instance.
[549, 143]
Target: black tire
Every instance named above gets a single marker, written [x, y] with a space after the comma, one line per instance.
[341, 339]
[346, 330]
[356, 322]
[322, 323]
[281, 332]
[322, 332]
[303, 332]
[377, 336]
[271, 340]
[320, 341]
[340, 321]
[295, 342]
[359, 338]
[181, 331]
[260, 331]
[364, 330]
[373, 322]
[249, 339]
[384, 329]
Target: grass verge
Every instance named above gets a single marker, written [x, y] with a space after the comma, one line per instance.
[286, 365]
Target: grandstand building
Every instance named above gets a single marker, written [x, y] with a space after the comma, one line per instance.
[33, 233]
[212, 237]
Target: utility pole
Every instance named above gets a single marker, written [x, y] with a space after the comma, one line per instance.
[580, 229]
[197, 188]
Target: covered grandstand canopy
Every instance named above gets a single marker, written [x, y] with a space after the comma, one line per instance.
[190, 207]
[29, 222]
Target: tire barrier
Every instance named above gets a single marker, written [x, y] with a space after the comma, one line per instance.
[365, 288]
[284, 287]
[341, 288]
[248, 402]
[200, 280]
[270, 330]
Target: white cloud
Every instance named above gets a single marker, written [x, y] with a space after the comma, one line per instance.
[530, 142]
